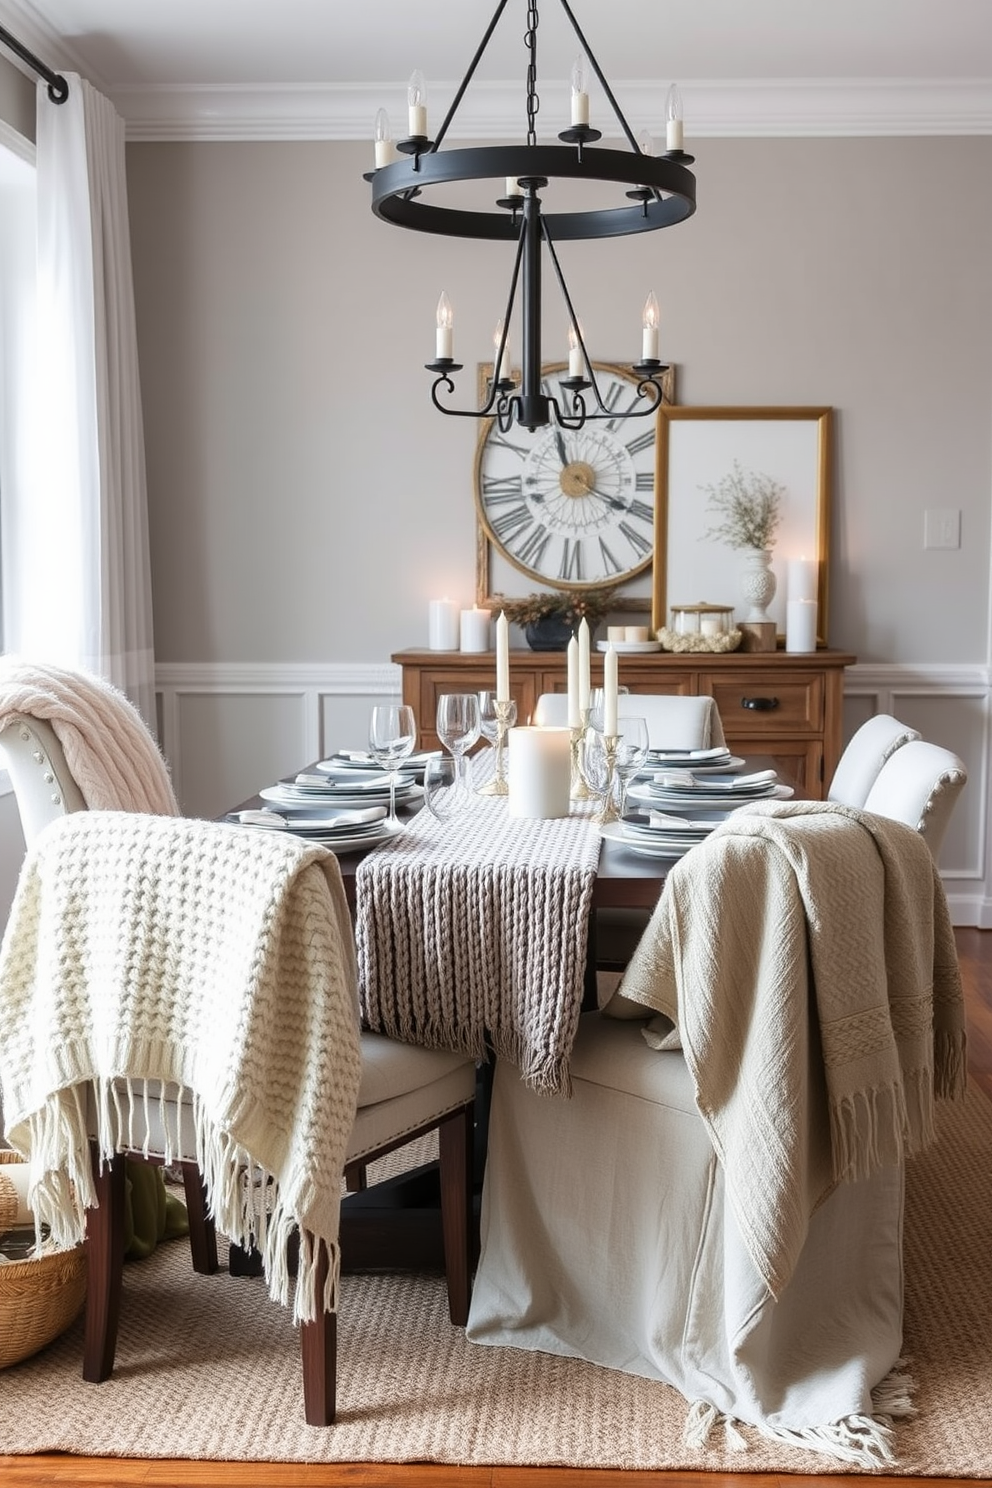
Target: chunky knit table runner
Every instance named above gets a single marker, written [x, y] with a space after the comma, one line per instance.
[473, 933]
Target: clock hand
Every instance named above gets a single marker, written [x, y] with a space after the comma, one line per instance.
[560, 446]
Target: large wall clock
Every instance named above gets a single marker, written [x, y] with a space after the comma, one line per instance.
[570, 508]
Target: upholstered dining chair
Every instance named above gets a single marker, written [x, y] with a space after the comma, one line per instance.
[863, 757]
[404, 1091]
[919, 784]
[680, 1217]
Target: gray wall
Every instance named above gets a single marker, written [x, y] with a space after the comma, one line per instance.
[307, 501]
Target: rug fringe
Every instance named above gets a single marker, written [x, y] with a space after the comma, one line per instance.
[861, 1441]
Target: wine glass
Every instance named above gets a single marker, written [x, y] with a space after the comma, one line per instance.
[446, 793]
[458, 723]
[632, 751]
[392, 735]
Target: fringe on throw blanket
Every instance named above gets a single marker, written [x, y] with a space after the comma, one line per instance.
[863, 1441]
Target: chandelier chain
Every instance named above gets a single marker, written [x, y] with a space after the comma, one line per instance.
[533, 101]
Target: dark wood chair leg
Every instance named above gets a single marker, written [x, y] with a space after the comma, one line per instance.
[455, 1138]
[318, 1342]
[202, 1234]
[105, 1263]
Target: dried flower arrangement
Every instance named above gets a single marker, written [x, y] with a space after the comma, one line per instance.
[749, 506]
[571, 606]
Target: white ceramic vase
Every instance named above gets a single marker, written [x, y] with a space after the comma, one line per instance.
[758, 583]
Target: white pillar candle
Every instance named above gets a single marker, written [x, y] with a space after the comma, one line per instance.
[474, 629]
[801, 579]
[673, 119]
[539, 772]
[513, 187]
[800, 625]
[610, 691]
[710, 625]
[573, 683]
[443, 625]
[636, 634]
[502, 659]
[584, 677]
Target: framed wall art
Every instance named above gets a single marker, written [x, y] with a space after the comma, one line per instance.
[697, 448]
[569, 508]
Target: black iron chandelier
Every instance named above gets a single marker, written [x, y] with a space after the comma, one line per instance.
[661, 191]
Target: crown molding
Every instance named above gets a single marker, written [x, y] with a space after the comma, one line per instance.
[802, 107]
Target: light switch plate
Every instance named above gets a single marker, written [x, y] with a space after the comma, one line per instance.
[942, 527]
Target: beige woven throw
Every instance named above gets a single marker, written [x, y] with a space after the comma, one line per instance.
[473, 934]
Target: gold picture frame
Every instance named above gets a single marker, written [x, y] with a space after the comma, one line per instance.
[511, 579]
[695, 449]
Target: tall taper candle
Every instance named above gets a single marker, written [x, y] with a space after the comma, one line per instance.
[583, 665]
[573, 683]
[610, 691]
[502, 659]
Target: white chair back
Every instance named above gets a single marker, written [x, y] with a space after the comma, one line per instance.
[866, 752]
[44, 788]
[919, 785]
[674, 722]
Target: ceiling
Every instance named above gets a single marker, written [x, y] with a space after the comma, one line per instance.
[169, 59]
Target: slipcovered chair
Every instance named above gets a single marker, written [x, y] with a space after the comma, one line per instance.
[864, 755]
[688, 1214]
[919, 785]
[404, 1091]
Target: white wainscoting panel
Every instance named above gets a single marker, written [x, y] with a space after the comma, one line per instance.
[226, 730]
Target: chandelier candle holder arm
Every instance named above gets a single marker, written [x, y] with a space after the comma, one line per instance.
[663, 194]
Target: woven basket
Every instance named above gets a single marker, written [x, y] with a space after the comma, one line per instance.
[38, 1298]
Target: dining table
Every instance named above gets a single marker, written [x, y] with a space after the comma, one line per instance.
[478, 934]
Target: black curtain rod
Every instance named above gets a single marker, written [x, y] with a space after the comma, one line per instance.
[58, 88]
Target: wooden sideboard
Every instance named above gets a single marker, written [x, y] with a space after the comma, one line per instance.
[778, 703]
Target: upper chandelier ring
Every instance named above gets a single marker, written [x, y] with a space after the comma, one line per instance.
[393, 185]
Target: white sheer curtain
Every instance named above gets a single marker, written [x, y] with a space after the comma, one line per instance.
[76, 569]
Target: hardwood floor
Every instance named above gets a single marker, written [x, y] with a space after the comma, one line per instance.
[975, 952]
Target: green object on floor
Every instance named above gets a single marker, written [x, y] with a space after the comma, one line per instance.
[151, 1213]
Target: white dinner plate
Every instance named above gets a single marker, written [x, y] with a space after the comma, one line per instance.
[668, 851]
[701, 799]
[728, 766]
[628, 648]
[344, 841]
[284, 794]
[346, 763]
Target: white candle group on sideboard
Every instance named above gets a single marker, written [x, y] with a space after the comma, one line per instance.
[801, 606]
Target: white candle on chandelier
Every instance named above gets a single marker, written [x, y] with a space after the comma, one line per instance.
[445, 323]
[513, 187]
[673, 119]
[650, 320]
[580, 94]
[385, 150]
[576, 367]
[503, 374]
[416, 98]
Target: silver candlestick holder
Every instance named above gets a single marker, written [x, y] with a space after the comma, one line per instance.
[579, 789]
[608, 811]
[505, 715]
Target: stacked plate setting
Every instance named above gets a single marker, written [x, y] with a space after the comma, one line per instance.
[342, 803]
[677, 806]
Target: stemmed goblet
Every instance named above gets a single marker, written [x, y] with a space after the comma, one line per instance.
[609, 764]
[458, 724]
[392, 735]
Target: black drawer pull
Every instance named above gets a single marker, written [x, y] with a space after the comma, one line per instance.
[759, 704]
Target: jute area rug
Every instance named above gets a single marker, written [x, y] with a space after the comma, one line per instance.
[207, 1367]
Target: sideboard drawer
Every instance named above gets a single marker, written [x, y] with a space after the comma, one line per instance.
[790, 703]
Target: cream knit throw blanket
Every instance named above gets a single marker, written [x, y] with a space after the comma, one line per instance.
[216, 960]
[472, 935]
[806, 954]
[110, 753]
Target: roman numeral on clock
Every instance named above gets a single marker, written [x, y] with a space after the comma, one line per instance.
[571, 560]
[501, 487]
